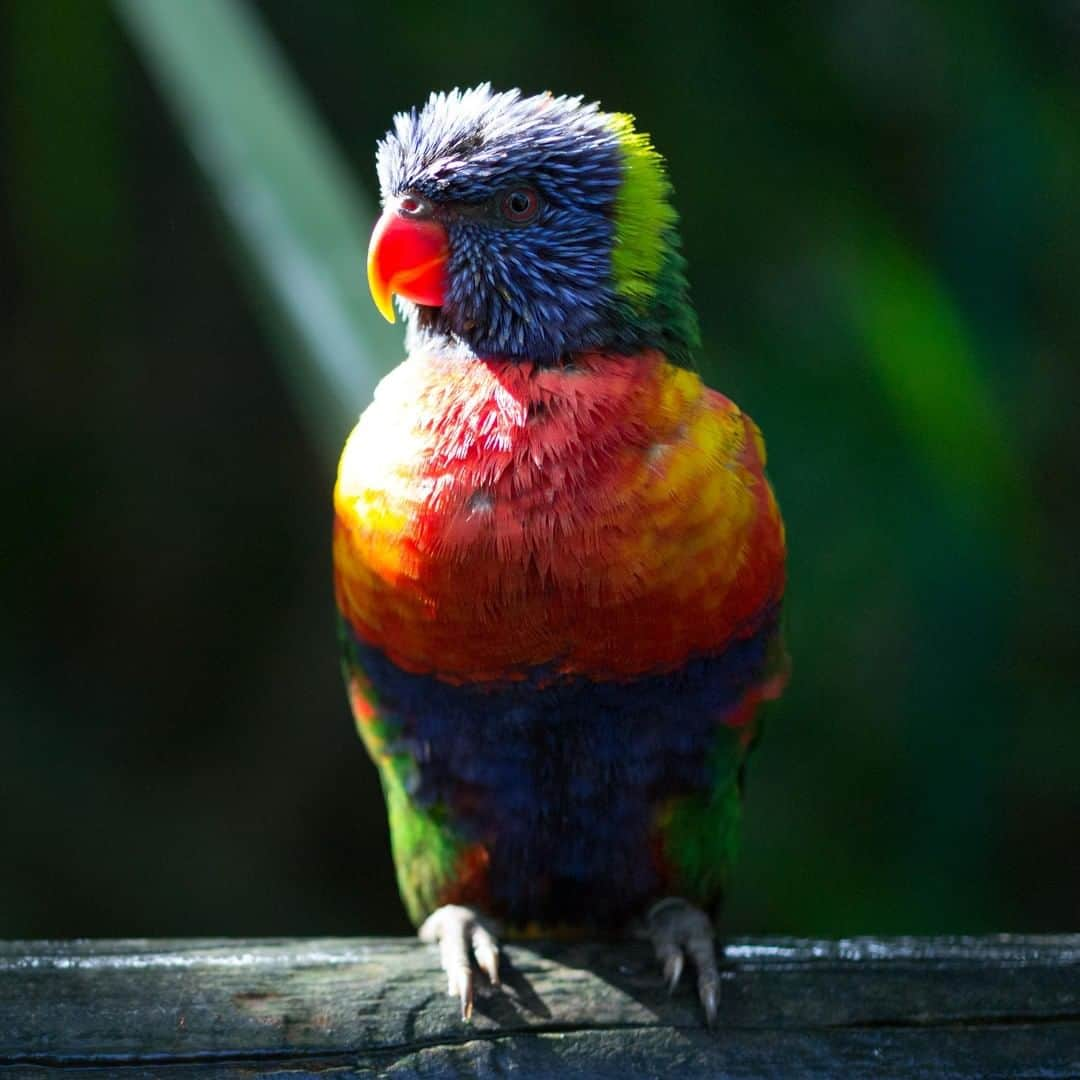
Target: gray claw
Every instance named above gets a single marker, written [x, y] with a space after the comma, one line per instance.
[461, 935]
[677, 928]
[485, 948]
[673, 966]
[709, 993]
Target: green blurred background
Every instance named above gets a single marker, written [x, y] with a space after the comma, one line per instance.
[881, 207]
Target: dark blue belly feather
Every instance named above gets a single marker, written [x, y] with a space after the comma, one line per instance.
[560, 778]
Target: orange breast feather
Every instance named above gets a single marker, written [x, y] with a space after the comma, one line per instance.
[609, 518]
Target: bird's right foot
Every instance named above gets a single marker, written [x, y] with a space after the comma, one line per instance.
[677, 929]
[463, 935]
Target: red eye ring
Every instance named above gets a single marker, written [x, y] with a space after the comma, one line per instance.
[519, 205]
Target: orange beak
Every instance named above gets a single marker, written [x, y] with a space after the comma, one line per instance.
[407, 256]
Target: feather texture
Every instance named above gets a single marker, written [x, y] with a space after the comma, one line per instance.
[559, 588]
[601, 268]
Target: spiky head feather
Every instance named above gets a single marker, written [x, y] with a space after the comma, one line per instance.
[598, 268]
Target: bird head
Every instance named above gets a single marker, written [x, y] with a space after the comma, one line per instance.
[528, 228]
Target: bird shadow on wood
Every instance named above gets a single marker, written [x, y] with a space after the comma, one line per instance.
[620, 983]
[515, 1000]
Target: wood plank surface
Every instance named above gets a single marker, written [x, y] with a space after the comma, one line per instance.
[968, 1007]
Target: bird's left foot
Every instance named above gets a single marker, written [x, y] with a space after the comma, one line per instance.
[462, 935]
[677, 929]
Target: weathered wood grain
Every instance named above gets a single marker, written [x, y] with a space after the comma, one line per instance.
[987, 1007]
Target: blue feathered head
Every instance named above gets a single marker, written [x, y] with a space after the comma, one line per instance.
[528, 227]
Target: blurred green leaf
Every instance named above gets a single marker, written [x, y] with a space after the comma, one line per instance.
[927, 364]
[283, 188]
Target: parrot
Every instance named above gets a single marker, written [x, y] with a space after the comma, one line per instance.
[558, 563]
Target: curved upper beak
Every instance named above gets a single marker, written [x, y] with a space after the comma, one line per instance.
[407, 256]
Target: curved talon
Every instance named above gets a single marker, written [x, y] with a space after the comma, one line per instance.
[486, 950]
[709, 993]
[703, 953]
[672, 957]
[676, 929]
[462, 935]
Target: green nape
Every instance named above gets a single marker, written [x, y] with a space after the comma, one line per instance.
[647, 264]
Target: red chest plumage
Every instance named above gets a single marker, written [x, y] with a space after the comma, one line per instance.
[609, 518]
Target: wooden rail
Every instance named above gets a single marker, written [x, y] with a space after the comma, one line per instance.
[336, 1008]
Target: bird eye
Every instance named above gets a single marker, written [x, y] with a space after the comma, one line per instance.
[413, 206]
[520, 205]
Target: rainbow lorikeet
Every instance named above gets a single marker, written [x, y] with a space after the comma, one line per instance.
[558, 563]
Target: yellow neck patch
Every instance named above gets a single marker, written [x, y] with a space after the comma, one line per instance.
[644, 217]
